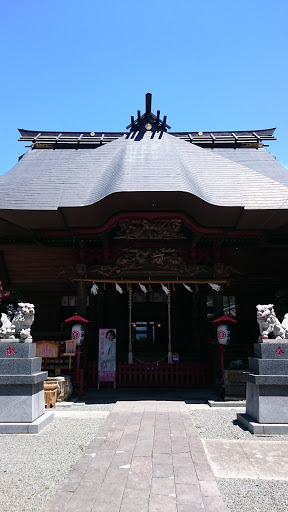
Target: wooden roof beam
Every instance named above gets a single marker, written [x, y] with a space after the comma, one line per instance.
[57, 138]
[148, 103]
[37, 137]
[257, 136]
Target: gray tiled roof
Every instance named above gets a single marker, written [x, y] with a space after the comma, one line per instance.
[257, 159]
[45, 179]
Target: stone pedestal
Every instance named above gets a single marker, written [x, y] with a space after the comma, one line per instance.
[22, 408]
[267, 389]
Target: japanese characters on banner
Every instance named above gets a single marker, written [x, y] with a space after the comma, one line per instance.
[107, 355]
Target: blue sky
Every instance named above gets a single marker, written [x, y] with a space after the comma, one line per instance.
[87, 65]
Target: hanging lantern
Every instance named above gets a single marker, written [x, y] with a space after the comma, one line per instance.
[223, 334]
[77, 333]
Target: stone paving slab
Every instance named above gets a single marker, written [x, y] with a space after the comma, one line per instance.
[265, 460]
[146, 457]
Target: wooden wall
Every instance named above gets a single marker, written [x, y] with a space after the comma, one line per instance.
[31, 265]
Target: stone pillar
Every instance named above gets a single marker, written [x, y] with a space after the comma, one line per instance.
[267, 389]
[22, 408]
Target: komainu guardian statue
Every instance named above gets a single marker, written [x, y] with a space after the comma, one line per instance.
[269, 323]
[20, 324]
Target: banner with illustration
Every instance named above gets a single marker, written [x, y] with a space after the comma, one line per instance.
[107, 355]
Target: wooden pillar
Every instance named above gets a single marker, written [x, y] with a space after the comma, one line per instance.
[82, 298]
[170, 360]
[81, 291]
[130, 349]
[195, 319]
[218, 303]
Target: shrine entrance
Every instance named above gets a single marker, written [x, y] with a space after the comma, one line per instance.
[162, 332]
[153, 274]
[149, 325]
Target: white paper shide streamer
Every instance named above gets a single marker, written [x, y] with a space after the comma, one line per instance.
[143, 288]
[165, 289]
[94, 289]
[187, 287]
[118, 288]
[215, 287]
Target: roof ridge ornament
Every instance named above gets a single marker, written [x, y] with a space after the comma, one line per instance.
[148, 121]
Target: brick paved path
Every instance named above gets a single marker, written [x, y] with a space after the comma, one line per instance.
[146, 457]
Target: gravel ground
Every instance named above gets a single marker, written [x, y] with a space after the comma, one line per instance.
[221, 423]
[82, 406]
[32, 467]
[248, 495]
[241, 495]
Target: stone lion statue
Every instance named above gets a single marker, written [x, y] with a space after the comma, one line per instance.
[21, 323]
[269, 323]
[7, 329]
[23, 319]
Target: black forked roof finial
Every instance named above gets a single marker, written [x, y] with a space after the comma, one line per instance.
[148, 121]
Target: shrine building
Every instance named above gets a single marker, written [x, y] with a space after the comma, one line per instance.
[154, 222]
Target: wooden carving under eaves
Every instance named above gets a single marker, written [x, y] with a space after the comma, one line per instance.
[149, 261]
[222, 271]
[155, 261]
[149, 230]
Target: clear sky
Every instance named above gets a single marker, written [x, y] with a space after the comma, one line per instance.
[71, 65]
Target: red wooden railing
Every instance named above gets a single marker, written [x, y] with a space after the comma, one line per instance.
[181, 374]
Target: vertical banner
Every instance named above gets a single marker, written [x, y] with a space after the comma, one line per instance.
[107, 355]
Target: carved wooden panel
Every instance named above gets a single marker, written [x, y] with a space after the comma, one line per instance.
[149, 230]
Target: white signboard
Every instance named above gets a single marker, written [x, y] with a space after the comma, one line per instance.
[107, 355]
